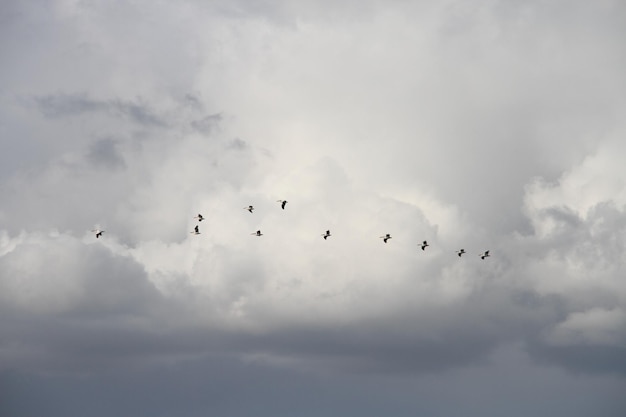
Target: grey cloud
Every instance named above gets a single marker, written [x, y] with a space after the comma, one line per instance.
[218, 384]
[101, 282]
[111, 307]
[193, 101]
[565, 216]
[237, 144]
[68, 105]
[362, 349]
[105, 152]
[207, 124]
[139, 113]
[581, 358]
[64, 105]
[428, 121]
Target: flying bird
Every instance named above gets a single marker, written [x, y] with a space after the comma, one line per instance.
[424, 244]
[199, 217]
[460, 252]
[196, 230]
[257, 233]
[386, 237]
[282, 203]
[98, 232]
[249, 208]
[484, 254]
[325, 235]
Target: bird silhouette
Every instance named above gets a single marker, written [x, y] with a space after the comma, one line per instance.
[386, 237]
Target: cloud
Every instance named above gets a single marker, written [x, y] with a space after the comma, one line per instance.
[62, 297]
[76, 104]
[595, 326]
[484, 127]
[104, 152]
[206, 124]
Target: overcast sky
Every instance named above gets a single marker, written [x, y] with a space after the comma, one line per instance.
[483, 125]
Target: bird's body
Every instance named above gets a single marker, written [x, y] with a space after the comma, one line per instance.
[484, 255]
[282, 203]
[257, 233]
[326, 235]
[424, 245]
[249, 208]
[98, 232]
[196, 230]
[460, 252]
[386, 237]
[200, 217]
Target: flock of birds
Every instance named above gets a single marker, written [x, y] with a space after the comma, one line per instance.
[326, 235]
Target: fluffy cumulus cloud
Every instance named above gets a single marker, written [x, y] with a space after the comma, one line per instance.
[488, 125]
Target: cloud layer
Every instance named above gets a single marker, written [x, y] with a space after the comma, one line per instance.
[484, 126]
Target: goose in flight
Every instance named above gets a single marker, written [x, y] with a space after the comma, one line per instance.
[424, 244]
[460, 252]
[257, 233]
[200, 217]
[98, 232]
[484, 254]
[325, 235]
[249, 208]
[196, 230]
[282, 203]
[386, 237]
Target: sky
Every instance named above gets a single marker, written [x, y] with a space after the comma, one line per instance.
[484, 125]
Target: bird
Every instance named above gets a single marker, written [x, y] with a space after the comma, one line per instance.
[484, 254]
[282, 203]
[325, 235]
[249, 208]
[199, 217]
[424, 244]
[98, 232]
[257, 233]
[386, 237]
[460, 252]
[196, 230]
